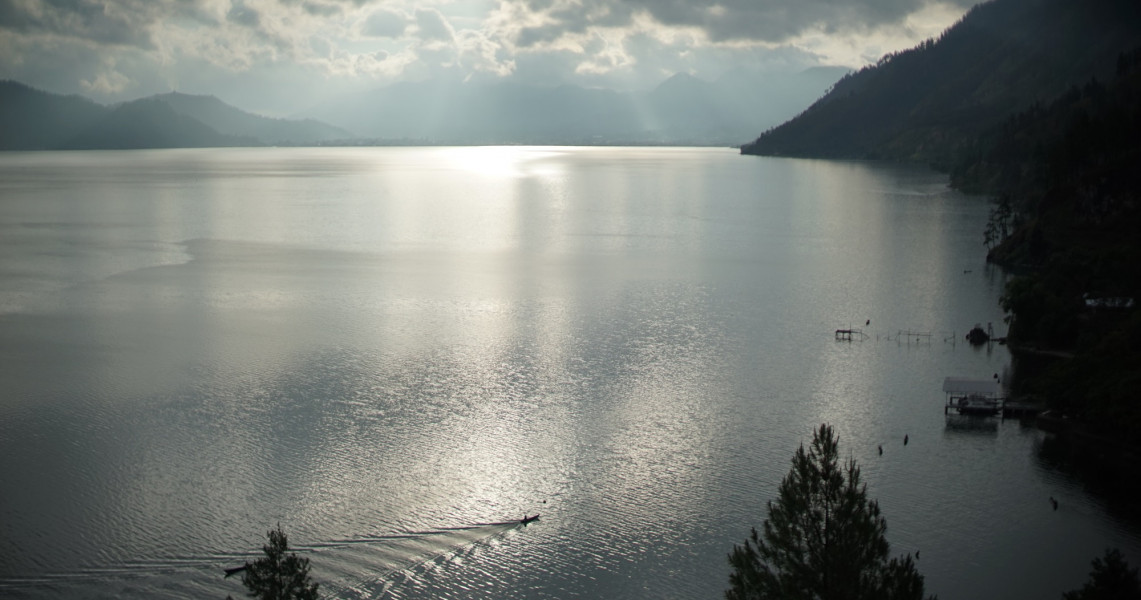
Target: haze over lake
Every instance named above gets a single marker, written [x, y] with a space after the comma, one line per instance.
[394, 352]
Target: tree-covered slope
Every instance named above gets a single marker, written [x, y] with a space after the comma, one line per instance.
[1069, 214]
[924, 104]
[1034, 147]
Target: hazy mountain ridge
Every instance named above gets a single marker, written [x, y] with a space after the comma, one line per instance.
[681, 110]
[925, 103]
[32, 119]
[233, 121]
[150, 123]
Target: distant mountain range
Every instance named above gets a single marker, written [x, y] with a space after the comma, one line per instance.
[32, 119]
[681, 110]
[927, 103]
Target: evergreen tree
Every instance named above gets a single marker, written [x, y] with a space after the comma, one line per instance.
[277, 575]
[824, 539]
[1110, 579]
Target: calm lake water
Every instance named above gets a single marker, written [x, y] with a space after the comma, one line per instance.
[391, 352]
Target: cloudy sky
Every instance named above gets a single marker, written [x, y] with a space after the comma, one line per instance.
[282, 56]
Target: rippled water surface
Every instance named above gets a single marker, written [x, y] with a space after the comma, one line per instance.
[394, 352]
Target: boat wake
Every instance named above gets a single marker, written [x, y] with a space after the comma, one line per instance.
[359, 567]
[367, 567]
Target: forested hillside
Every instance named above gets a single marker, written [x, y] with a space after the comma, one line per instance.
[1068, 214]
[925, 104]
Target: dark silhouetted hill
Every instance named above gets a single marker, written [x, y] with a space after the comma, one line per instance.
[926, 103]
[32, 119]
[229, 120]
[149, 123]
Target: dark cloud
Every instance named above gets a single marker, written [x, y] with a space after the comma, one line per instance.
[240, 14]
[325, 8]
[537, 35]
[73, 66]
[319, 9]
[723, 20]
[385, 23]
[124, 23]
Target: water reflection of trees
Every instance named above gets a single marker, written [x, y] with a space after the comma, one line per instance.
[1104, 472]
[971, 425]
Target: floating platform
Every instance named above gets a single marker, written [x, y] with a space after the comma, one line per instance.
[983, 397]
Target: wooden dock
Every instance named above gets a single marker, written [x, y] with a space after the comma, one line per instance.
[909, 336]
[1003, 407]
[983, 398]
[848, 335]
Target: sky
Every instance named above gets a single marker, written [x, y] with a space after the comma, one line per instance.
[280, 57]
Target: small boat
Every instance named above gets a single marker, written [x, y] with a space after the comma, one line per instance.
[525, 520]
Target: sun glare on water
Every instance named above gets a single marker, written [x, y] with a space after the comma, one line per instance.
[500, 161]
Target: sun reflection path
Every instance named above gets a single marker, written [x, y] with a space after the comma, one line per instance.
[501, 161]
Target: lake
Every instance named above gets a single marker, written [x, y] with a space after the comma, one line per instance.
[393, 352]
